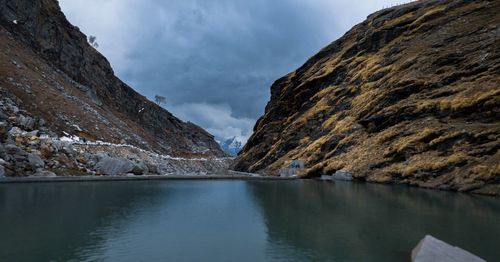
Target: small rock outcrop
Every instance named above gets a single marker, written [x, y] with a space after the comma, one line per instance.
[411, 96]
[342, 175]
[430, 249]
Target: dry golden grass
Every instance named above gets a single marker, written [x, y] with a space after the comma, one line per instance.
[445, 137]
[321, 107]
[422, 110]
[329, 123]
[433, 12]
[424, 164]
[414, 141]
[471, 98]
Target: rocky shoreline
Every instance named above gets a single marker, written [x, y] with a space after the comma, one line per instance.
[29, 148]
[227, 176]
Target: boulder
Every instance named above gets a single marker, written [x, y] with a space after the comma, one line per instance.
[66, 161]
[152, 168]
[3, 116]
[33, 133]
[113, 166]
[2, 171]
[342, 175]
[3, 130]
[15, 131]
[65, 147]
[26, 122]
[13, 108]
[35, 161]
[140, 169]
[58, 145]
[432, 249]
[15, 153]
[2, 151]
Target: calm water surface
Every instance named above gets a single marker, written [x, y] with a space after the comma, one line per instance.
[237, 221]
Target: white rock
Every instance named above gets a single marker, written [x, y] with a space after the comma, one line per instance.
[33, 133]
[432, 249]
[15, 131]
[342, 175]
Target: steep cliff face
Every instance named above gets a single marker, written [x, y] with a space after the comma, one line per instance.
[47, 63]
[411, 95]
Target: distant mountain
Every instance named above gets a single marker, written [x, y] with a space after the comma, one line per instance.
[409, 96]
[231, 146]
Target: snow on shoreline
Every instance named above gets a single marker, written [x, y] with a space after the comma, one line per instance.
[75, 140]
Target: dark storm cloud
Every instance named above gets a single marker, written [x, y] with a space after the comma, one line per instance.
[215, 60]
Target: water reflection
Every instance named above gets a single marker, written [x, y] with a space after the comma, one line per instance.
[344, 221]
[51, 222]
[236, 221]
[130, 221]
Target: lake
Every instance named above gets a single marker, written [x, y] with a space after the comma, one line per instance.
[236, 220]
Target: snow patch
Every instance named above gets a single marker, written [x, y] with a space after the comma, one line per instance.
[77, 128]
[69, 138]
[166, 157]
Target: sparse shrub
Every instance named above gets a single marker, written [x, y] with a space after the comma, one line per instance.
[160, 99]
[93, 42]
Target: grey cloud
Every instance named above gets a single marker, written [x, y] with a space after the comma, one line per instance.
[203, 54]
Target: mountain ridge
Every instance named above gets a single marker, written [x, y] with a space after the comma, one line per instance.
[408, 96]
[79, 68]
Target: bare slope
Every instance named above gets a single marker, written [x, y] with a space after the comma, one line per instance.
[47, 63]
[410, 96]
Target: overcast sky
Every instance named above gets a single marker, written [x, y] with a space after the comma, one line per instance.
[213, 60]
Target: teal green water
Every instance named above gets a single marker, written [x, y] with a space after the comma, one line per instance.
[237, 221]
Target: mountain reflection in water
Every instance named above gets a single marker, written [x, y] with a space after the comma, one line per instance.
[236, 221]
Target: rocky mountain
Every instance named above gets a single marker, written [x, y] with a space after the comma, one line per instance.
[409, 96]
[48, 65]
[231, 146]
[29, 148]
[64, 112]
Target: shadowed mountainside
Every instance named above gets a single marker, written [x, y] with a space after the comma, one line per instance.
[410, 96]
[49, 66]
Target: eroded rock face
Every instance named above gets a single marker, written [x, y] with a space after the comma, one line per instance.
[411, 96]
[48, 64]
